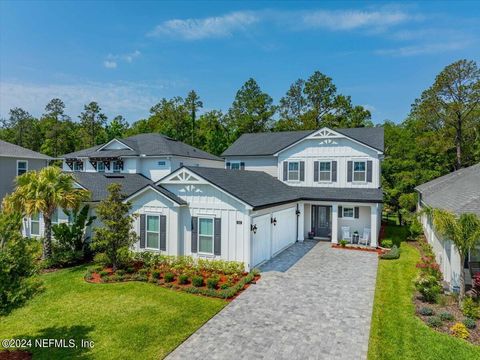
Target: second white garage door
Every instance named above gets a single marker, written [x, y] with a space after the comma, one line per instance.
[285, 229]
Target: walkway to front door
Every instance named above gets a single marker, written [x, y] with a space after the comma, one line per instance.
[320, 308]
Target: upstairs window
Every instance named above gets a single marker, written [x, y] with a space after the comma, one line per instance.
[162, 163]
[325, 171]
[100, 166]
[293, 171]
[22, 167]
[359, 171]
[235, 165]
[117, 166]
[78, 166]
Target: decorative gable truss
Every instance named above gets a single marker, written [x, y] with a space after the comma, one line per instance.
[326, 136]
[182, 176]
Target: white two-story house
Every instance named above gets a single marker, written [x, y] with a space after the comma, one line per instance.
[271, 190]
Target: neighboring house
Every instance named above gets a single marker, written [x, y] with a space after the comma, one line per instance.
[458, 192]
[152, 155]
[16, 160]
[317, 184]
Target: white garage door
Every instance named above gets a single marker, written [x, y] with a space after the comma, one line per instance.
[261, 240]
[285, 230]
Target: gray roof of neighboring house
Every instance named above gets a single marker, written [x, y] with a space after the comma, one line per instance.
[259, 189]
[12, 150]
[97, 184]
[152, 144]
[269, 143]
[458, 191]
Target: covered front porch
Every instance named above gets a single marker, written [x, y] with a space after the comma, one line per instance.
[357, 223]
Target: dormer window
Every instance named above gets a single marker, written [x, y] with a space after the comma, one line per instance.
[100, 166]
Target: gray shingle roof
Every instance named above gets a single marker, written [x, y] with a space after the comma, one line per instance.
[255, 144]
[146, 144]
[260, 189]
[12, 150]
[458, 191]
[97, 184]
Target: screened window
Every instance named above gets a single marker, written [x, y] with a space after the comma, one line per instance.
[153, 232]
[205, 235]
[22, 167]
[359, 171]
[293, 171]
[325, 171]
[35, 224]
[348, 212]
[100, 166]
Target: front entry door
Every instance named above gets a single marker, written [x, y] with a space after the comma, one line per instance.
[321, 223]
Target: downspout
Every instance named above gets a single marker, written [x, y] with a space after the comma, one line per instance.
[296, 232]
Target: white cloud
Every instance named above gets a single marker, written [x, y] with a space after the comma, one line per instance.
[112, 60]
[110, 64]
[210, 27]
[424, 49]
[355, 19]
[125, 98]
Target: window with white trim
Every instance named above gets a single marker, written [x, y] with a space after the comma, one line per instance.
[348, 212]
[116, 166]
[153, 232]
[162, 163]
[293, 171]
[235, 165]
[205, 235]
[77, 166]
[55, 217]
[100, 166]
[22, 167]
[360, 171]
[325, 171]
[35, 224]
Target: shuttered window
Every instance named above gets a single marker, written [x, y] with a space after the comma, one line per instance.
[293, 171]
[359, 171]
[205, 235]
[325, 171]
[153, 232]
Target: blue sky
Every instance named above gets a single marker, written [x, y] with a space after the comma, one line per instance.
[128, 55]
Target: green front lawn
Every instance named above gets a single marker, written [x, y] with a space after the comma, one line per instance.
[396, 332]
[131, 320]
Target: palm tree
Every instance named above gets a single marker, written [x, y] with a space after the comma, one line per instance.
[43, 192]
[463, 231]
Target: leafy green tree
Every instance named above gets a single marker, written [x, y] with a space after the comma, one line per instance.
[314, 103]
[251, 111]
[58, 131]
[463, 231]
[44, 191]
[193, 104]
[71, 239]
[22, 129]
[211, 134]
[17, 264]
[117, 128]
[92, 122]
[453, 102]
[116, 236]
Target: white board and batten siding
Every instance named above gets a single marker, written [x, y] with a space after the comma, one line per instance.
[152, 203]
[270, 238]
[341, 150]
[266, 164]
[204, 200]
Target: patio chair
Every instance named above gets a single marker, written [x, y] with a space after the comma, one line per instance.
[365, 239]
[346, 235]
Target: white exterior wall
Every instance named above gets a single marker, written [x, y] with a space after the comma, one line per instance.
[267, 164]
[206, 200]
[178, 162]
[446, 254]
[149, 167]
[152, 203]
[340, 150]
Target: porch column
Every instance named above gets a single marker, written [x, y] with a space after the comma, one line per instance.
[335, 223]
[301, 222]
[374, 225]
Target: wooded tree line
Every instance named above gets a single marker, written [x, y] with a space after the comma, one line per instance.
[441, 133]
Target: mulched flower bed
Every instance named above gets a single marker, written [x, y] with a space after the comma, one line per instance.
[15, 355]
[451, 306]
[227, 287]
[358, 248]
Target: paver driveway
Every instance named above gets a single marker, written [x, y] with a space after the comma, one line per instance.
[318, 307]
